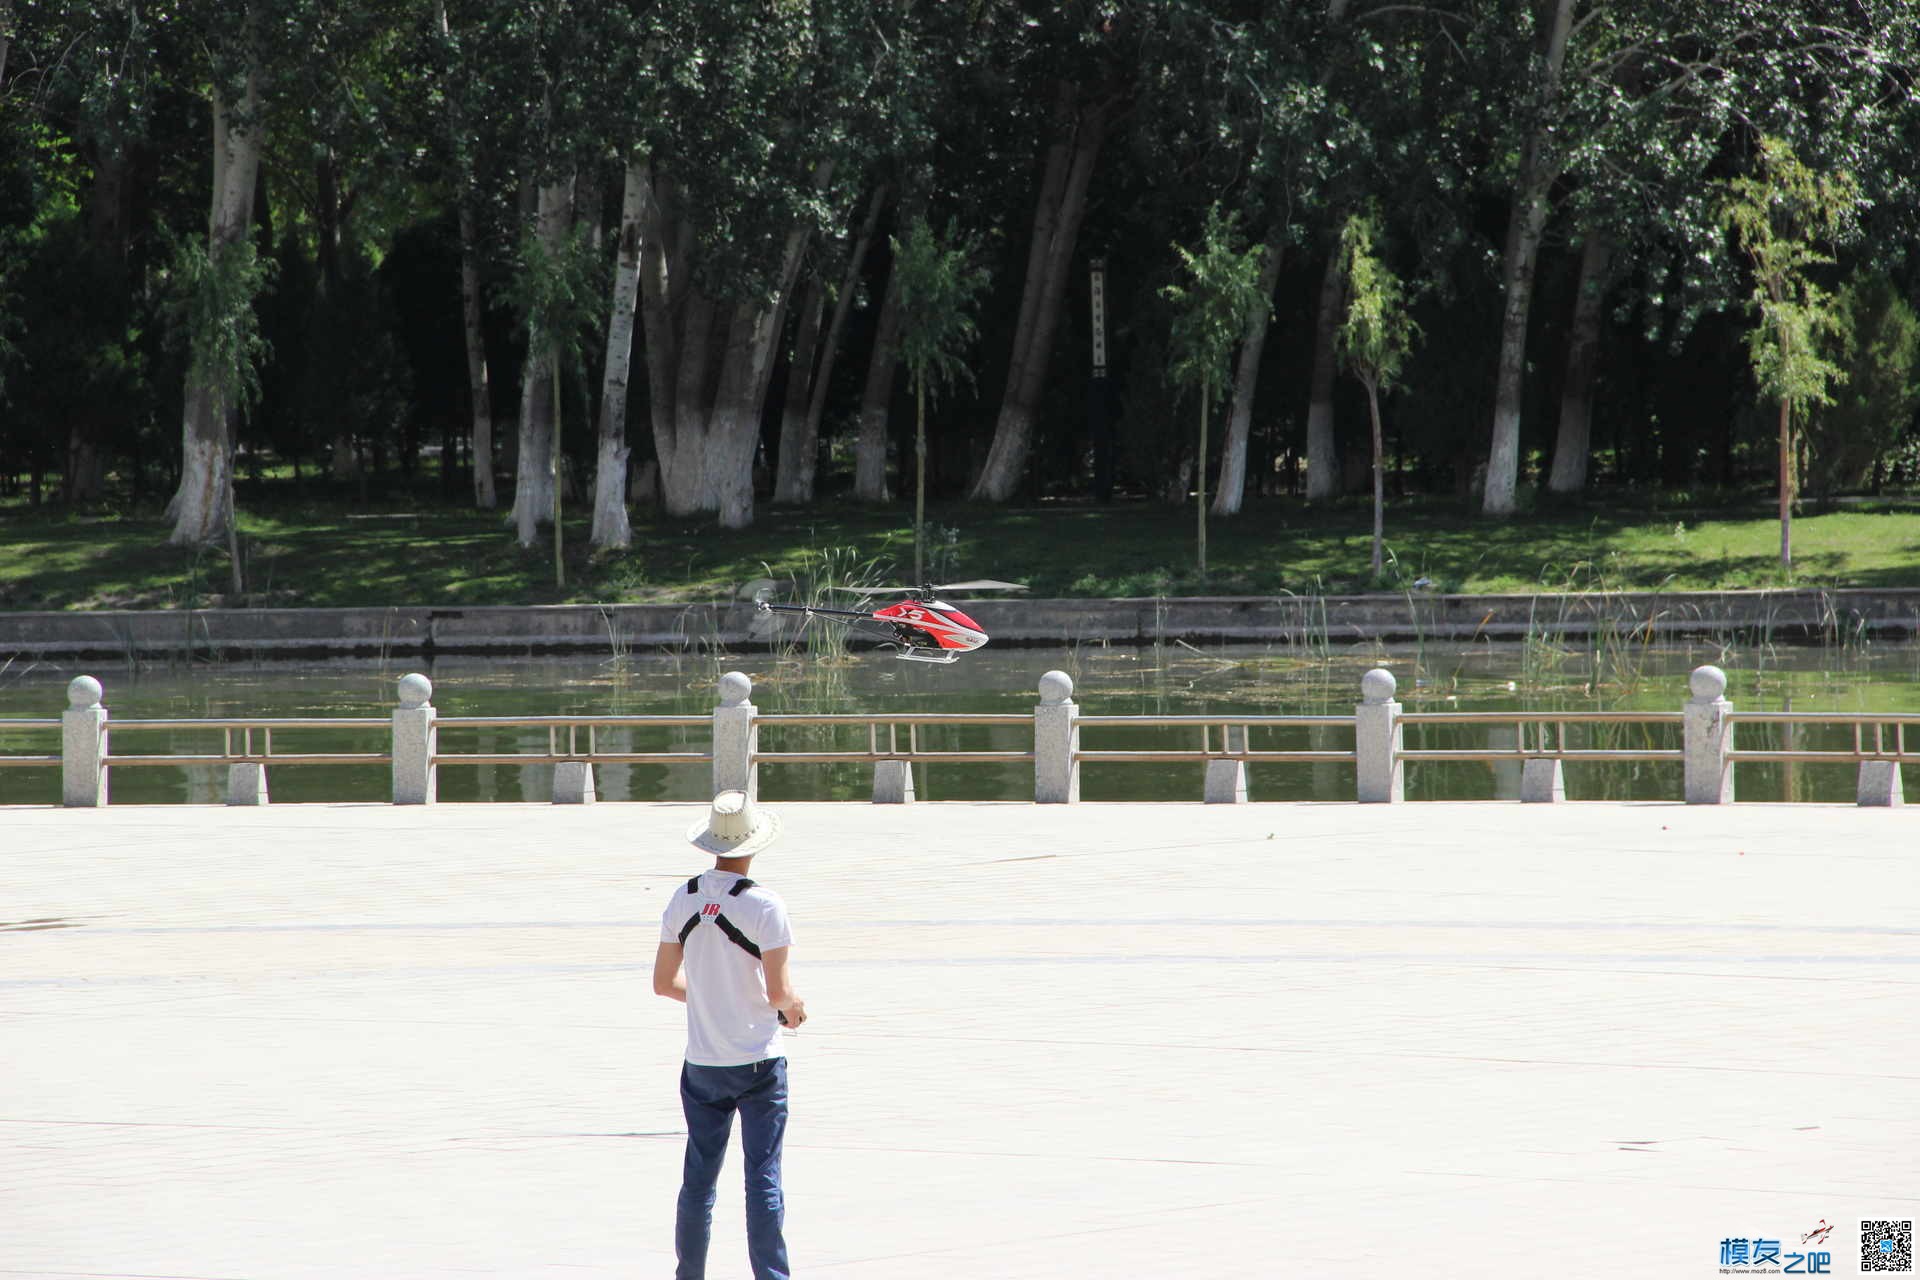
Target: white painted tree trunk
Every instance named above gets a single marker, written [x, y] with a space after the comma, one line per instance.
[534, 472]
[533, 479]
[735, 428]
[870, 448]
[1323, 463]
[1524, 230]
[1572, 446]
[201, 506]
[1526, 223]
[1056, 230]
[1231, 490]
[610, 526]
[708, 368]
[658, 283]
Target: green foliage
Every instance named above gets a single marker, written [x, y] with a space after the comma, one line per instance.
[1211, 308]
[1377, 334]
[210, 306]
[1879, 357]
[940, 287]
[763, 120]
[1777, 217]
[560, 295]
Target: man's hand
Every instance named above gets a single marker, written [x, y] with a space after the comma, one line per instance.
[794, 1014]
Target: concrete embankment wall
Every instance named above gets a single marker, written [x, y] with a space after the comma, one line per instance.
[1787, 616]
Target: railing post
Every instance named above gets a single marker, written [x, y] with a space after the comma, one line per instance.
[1379, 774]
[1879, 785]
[1707, 738]
[893, 782]
[83, 746]
[1056, 742]
[573, 782]
[736, 737]
[246, 784]
[415, 740]
[1542, 782]
[1227, 779]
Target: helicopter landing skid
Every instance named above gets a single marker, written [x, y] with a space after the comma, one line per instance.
[923, 655]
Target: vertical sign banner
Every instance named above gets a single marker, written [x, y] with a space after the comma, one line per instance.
[1099, 317]
[1099, 391]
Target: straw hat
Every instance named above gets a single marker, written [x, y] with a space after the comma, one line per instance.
[734, 828]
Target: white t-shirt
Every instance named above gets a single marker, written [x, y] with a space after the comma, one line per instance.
[729, 1022]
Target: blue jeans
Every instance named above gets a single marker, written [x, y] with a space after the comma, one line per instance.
[709, 1096]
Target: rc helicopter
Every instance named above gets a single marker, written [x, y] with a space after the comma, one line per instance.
[920, 628]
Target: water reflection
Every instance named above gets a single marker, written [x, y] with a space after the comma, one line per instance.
[1161, 680]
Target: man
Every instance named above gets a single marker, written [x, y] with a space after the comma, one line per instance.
[723, 953]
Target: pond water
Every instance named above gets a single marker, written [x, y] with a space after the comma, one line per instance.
[1165, 680]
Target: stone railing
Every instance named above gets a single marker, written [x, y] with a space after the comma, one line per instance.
[1534, 740]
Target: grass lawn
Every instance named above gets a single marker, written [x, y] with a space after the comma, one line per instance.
[433, 554]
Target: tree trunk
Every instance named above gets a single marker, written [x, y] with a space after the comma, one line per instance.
[1056, 227]
[1524, 230]
[870, 449]
[84, 477]
[479, 389]
[1526, 223]
[1786, 487]
[707, 427]
[787, 485]
[1323, 470]
[735, 424]
[1233, 455]
[534, 472]
[610, 527]
[201, 505]
[479, 384]
[1200, 474]
[1572, 446]
[555, 456]
[919, 478]
[1379, 479]
[807, 454]
[6, 37]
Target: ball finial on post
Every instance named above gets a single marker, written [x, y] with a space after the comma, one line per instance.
[83, 693]
[1378, 685]
[1056, 687]
[1707, 683]
[735, 688]
[415, 691]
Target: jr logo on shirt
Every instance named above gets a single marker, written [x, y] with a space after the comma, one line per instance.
[711, 909]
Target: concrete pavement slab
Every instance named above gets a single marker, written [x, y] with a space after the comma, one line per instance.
[1062, 1041]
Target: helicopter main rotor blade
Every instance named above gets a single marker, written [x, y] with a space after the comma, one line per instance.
[977, 584]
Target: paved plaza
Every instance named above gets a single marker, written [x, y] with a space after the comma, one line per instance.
[1320, 1040]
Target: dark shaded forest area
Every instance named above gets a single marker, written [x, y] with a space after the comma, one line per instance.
[648, 250]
